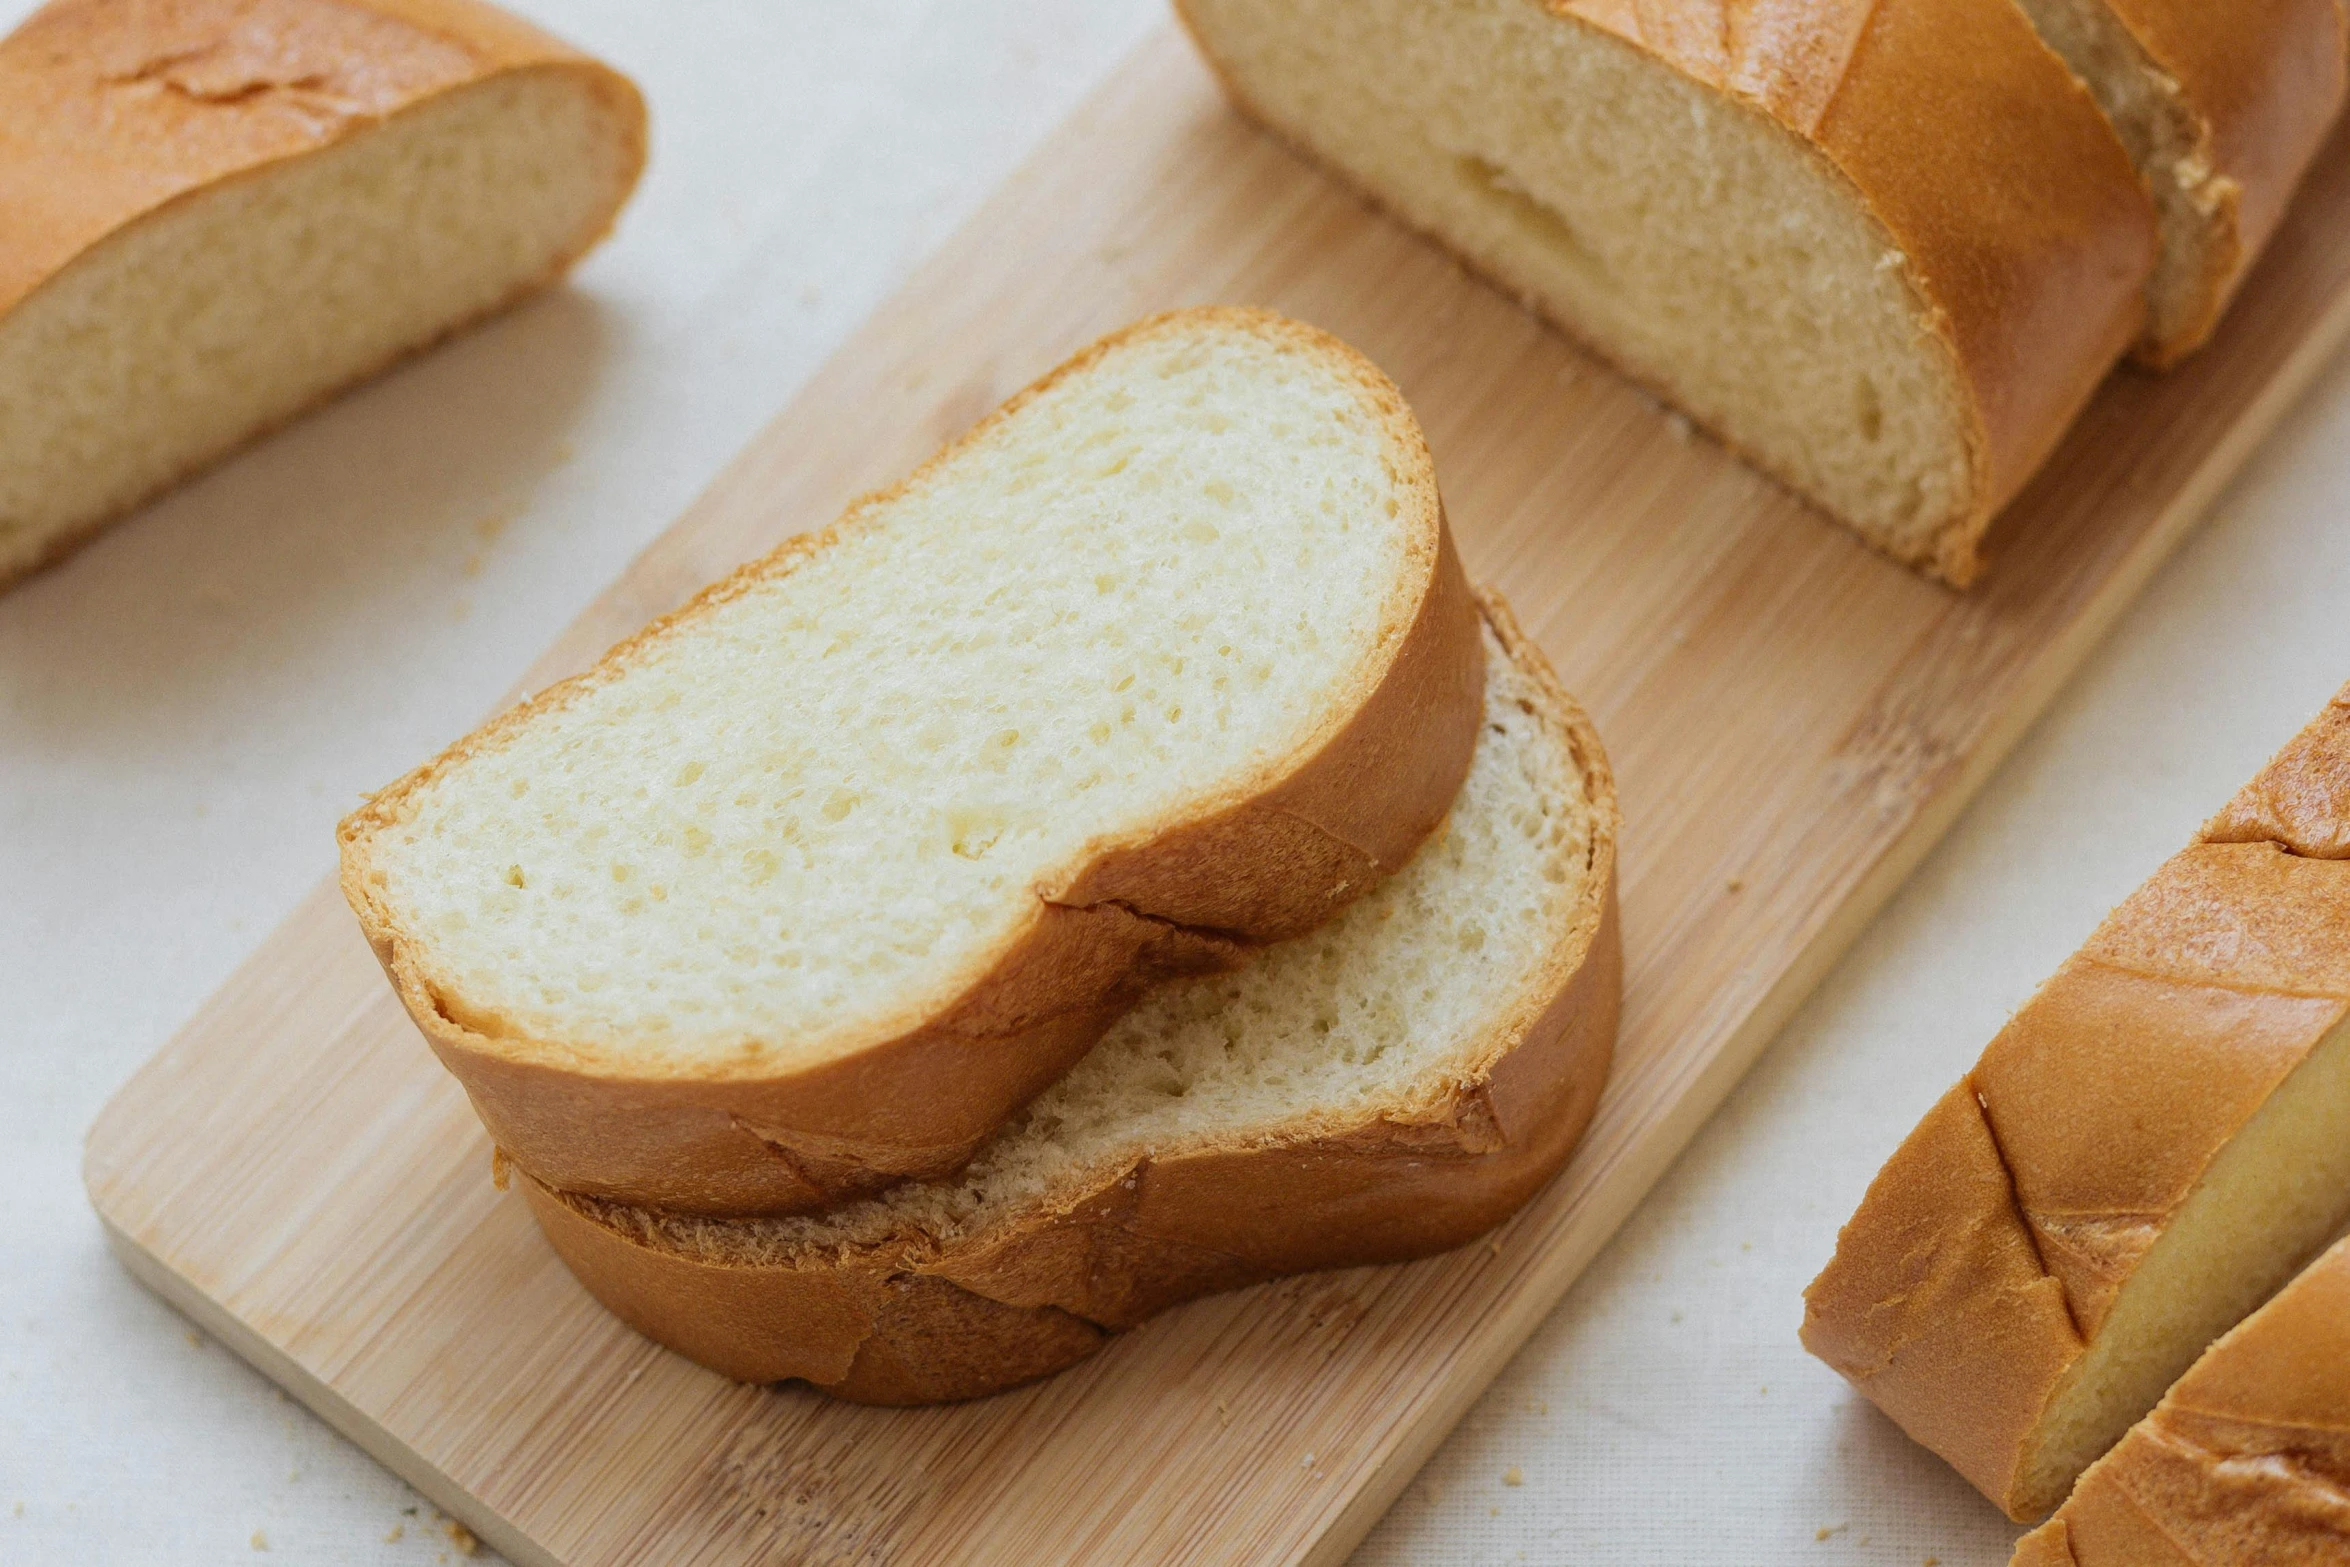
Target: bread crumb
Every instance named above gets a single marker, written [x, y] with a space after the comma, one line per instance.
[1680, 427]
[1306, 1462]
[1513, 1475]
[1830, 1531]
[501, 1168]
[1493, 1512]
[398, 1530]
[1735, 884]
[1494, 1246]
[1223, 1412]
[19, 1509]
[460, 1537]
[260, 1541]
[195, 1339]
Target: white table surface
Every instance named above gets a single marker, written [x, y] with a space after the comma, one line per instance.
[187, 707]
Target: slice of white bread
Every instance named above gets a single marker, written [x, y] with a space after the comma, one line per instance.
[2245, 1463]
[2147, 1150]
[2222, 107]
[215, 213]
[1385, 1088]
[1885, 250]
[810, 885]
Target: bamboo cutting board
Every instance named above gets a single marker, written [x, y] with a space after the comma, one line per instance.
[1793, 722]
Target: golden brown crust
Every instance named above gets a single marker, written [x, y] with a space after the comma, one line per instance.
[1279, 852]
[2266, 78]
[2301, 799]
[2246, 1460]
[1990, 1249]
[907, 1320]
[2023, 229]
[114, 111]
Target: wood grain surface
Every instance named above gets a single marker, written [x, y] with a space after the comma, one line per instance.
[1793, 721]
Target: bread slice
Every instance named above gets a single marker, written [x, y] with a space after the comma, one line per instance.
[214, 213]
[2246, 1463]
[1385, 1088]
[1885, 250]
[2222, 107]
[810, 885]
[2147, 1150]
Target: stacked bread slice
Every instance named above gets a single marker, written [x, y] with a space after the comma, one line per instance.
[215, 213]
[2154, 1144]
[1885, 250]
[756, 944]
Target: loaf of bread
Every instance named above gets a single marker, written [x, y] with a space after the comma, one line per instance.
[214, 213]
[2150, 1147]
[810, 885]
[2222, 106]
[1385, 1088]
[1884, 249]
[2246, 1463]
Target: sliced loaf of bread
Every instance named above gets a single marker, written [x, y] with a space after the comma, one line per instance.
[2222, 107]
[214, 213]
[2147, 1150]
[2245, 1463]
[1885, 249]
[810, 885]
[1385, 1088]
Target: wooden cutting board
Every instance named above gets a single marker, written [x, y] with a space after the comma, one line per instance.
[1793, 720]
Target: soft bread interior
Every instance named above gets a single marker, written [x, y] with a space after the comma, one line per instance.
[1378, 1015]
[812, 807]
[231, 310]
[2271, 1200]
[1690, 239]
[2170, 144]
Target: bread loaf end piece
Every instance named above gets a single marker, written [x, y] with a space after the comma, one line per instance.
[810, 885]
[1385, 1088]
[2149, 1148]
[1888, 281]
[2222, 108]
[216, 213]
[2246, 1460]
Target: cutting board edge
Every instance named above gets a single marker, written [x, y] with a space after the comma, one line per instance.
[184, 1296]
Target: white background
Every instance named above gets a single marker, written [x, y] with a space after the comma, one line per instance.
[187, 707]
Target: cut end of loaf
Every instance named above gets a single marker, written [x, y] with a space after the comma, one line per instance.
[1685, 235]
[2147, 1150]
[807, 813]
[2197, 203]
[238, 305]
[2269, 1202]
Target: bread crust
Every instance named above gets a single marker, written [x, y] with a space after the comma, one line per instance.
[909, 1320]
[115, 112]
[2246, 1459]
[2266, 78]
[1991, 1248]
[1278, 852]
[2021, 227]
